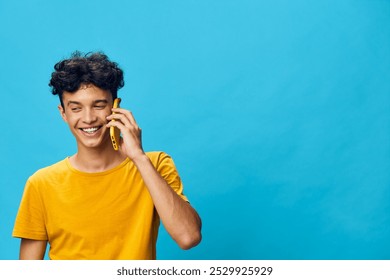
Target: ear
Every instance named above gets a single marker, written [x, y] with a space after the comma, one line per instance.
[62, 112]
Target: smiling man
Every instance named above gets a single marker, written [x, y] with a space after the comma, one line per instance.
[101, 203]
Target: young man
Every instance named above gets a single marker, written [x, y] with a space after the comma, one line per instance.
[101, 203]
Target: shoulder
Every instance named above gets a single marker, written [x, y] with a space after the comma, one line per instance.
[157, 156]
[162, 161]
[46, 173]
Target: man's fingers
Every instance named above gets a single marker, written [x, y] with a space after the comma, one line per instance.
[127, 113]
[122, 118]
[123, 127]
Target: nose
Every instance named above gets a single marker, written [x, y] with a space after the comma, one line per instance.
[89, 116]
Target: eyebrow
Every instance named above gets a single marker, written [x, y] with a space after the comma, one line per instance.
[73, 102]
[94, 102]
[101, 101]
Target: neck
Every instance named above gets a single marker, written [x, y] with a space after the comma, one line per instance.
[94, 160]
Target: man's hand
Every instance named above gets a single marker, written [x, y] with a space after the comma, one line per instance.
[179, 218]
[131, 141]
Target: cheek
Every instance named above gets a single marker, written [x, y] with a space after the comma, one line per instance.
[105, 114]
[70, 120]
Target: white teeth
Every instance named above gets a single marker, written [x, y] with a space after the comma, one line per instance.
[90, 129]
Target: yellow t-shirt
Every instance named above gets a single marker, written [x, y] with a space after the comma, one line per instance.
[104, 215]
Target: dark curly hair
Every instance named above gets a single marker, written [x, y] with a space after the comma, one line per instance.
[90, 68]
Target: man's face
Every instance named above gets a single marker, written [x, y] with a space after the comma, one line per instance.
[85, 112]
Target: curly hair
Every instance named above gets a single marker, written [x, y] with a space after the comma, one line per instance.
[90, 68]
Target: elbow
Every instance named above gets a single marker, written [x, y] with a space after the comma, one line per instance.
[189, 241]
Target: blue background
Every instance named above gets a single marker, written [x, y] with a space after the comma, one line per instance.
[275, 112]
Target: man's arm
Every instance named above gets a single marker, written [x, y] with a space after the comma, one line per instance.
[180, 220]
[32, 249]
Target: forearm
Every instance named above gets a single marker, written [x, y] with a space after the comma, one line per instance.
[180, 220]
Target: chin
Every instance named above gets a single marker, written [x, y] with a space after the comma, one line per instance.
[100, 144]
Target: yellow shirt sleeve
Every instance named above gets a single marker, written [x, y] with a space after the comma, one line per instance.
[167, 169]
[30, 218]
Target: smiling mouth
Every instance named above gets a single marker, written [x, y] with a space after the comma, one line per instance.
[90, 130]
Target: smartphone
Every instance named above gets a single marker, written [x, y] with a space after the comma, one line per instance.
[114, 131]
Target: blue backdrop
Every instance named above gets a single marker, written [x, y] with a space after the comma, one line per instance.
[275, 112]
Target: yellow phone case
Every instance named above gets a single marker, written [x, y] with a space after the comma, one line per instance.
[114, 131]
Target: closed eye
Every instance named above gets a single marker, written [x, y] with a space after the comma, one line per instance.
[75, 109]
[100, 104]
